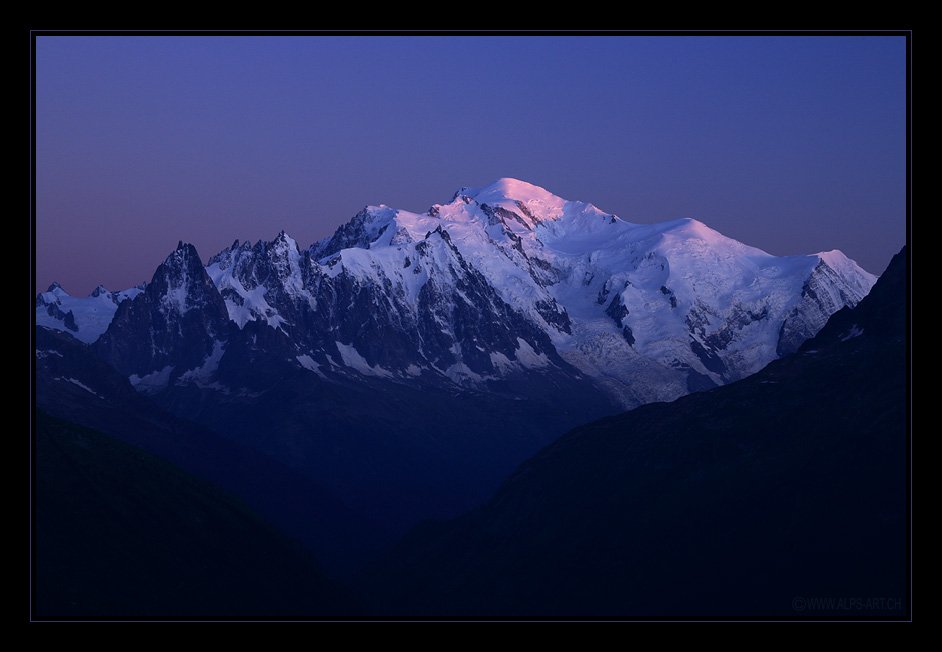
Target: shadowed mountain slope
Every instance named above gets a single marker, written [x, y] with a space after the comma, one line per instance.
[745, 500]
[122, 533]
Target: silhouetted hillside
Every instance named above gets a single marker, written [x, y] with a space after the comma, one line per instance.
[121, 533]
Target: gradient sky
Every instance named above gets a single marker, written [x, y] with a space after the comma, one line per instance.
[794, 145]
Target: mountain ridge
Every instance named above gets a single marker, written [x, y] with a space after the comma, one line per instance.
[649, 312]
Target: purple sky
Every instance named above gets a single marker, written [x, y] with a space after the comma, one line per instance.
[794, 145]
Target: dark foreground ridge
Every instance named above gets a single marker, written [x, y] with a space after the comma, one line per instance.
[782, 495]
[120, 533]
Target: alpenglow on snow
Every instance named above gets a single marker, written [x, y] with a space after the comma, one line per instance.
[500, 283]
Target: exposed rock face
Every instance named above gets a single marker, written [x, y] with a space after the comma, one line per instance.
[173, 326]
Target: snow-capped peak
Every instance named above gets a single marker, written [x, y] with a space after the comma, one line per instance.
[285, 249]
[56, 289]
[839, 262]
[283, 240]
[512, 189]
[54, 294]
[536, 203]
[182, 255]
[181, 281]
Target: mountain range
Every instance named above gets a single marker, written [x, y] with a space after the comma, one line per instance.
[501, 280]
[408, 363]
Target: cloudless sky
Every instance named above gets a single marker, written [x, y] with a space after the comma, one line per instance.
[792, 144]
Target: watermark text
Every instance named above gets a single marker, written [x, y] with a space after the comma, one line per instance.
[826, 603]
